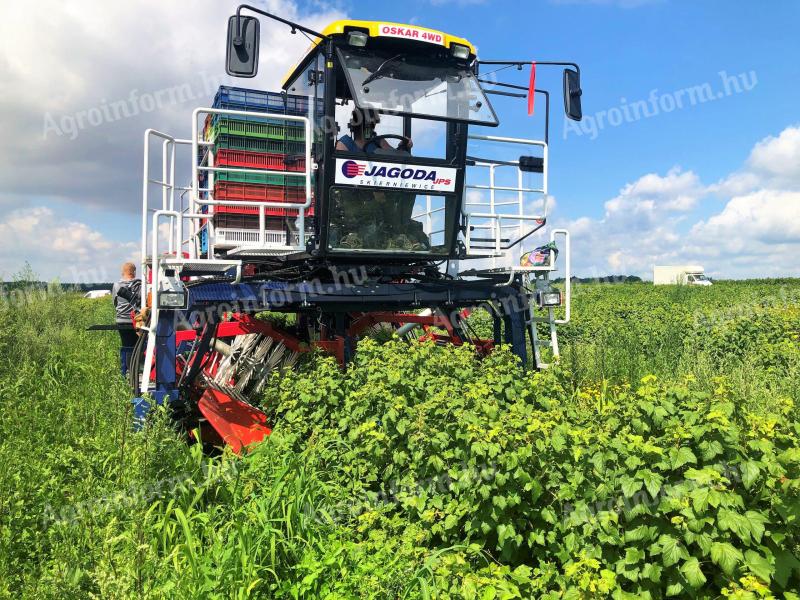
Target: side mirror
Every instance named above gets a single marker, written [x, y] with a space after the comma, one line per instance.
[572, 94]
[241, 56]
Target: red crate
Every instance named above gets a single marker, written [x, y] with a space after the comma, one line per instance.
[233, 190]
[229, 190]
[259, 160]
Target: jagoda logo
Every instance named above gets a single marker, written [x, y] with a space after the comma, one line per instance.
[351, 169]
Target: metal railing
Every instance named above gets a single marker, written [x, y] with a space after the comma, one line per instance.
[500, 223]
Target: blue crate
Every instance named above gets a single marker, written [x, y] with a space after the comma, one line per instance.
[234, 98]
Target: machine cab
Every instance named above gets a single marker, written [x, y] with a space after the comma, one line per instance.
[390, 107]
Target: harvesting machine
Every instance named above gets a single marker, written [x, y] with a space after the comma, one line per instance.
[336, 237]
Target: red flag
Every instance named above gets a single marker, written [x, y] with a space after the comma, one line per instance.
[531, 88]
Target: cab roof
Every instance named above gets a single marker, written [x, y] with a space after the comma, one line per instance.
[384, 29]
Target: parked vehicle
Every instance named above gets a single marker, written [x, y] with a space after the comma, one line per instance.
[680, 275]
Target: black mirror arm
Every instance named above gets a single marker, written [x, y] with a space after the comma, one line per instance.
[514, 86]
[238, 40]
[521, 63]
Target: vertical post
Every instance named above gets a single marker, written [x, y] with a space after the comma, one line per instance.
[428, 215]
[145, 177]
[211, 209]
[491, 211]
[516, 327]
[165, 357]
[261, 225]
[179, 233]
[165, 150]
[521, 210]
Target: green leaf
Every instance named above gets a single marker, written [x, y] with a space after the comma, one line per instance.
[694, 575]
[633, 555]
[630, 486]
[732, 521]
[750, 472]
[674, 588]
[785, 563]
[499, 502]
[642, 532]
[671, 550]
[756, 522]
[759, 565]
[652, 481]
[699, 498]
[725, 556]
[681, 456]
[652, 571]
[710, 449]
[450, 521]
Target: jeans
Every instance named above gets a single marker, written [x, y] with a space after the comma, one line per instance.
[128, 339]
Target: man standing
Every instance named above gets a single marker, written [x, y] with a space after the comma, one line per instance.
[126, 295]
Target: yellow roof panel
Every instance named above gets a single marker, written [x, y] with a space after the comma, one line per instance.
[401, 30]
[388, 29]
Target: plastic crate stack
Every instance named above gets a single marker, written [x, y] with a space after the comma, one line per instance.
[255, 143]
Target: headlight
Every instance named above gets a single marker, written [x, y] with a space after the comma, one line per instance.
[172, 299]
[459, 51]
[548, 298]
[357, 38]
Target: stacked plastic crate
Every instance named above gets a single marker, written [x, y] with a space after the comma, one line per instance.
[256, 143]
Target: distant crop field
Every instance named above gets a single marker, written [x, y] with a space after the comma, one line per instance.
[659, 458]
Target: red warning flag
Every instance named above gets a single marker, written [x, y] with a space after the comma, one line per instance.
[531, 88]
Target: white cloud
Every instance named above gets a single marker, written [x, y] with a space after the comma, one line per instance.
[652, 197]
[57, 248]
[64, 63]
[66, 66]
[653, 220]
[773, 163]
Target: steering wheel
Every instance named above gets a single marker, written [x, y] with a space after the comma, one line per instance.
[405, 142]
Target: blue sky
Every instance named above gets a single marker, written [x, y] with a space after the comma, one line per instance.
[714, 182]
[626, 53]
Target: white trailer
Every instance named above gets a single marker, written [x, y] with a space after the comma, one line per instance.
[679, 275]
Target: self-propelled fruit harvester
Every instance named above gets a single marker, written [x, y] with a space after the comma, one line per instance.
[409, 229]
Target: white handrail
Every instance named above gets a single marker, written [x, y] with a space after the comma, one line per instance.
[145, 182]
[567, 274]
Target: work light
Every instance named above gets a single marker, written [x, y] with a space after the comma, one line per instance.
[172, 293]
[172, 299]
[357, 38]
[548, 298]
[459, 51]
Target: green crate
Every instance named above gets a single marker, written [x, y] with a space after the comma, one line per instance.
[271, 131]
[262, 179]
[250, 144]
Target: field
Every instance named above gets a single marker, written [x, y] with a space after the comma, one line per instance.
[660, 458]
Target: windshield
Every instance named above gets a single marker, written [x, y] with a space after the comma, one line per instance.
[368, 219]
[419, 86]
